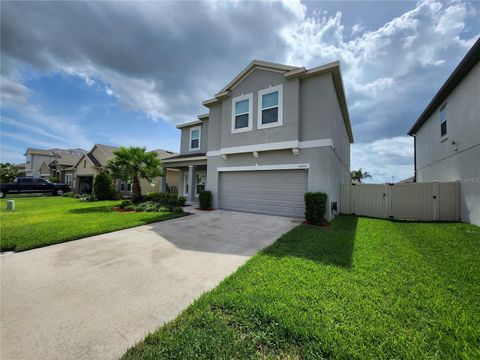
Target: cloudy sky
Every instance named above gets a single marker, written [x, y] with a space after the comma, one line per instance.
[125, 73]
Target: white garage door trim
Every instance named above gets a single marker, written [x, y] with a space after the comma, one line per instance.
[264, 167]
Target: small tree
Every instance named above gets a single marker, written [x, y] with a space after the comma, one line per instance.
[8, 172]
[103, 187]
[359, 175]
[135, 163]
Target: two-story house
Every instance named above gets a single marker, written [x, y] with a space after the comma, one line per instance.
[47, 163]
[447, 135]
[271, 134]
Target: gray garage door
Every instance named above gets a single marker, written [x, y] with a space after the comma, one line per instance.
[274, 192]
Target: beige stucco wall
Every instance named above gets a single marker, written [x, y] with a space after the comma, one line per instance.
[85, 171]
[33, 169]
[156, 184]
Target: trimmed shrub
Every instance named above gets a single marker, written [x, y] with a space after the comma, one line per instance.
[315, 207]
[205, 199]
[103, 186]
[125, 203]
[159, 197]
[167, 200]
[88, 198]
[147, 206]
[68, 194]
[182, 200]
[54, 179]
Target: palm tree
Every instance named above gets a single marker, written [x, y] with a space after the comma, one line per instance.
[359, 175]
[134, 163]
[8, 172]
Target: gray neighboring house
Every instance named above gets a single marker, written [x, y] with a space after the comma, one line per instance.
[447, 135]
[272, 134]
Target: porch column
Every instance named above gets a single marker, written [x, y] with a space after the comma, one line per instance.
[191, 177]
[164, 181]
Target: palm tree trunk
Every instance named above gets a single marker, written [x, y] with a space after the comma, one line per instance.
[136, 190]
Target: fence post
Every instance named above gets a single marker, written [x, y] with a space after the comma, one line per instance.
[436, 201]
[457, 202]
[352, 195]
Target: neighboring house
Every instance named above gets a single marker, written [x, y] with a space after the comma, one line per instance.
[272, 134]
[51, 162]
[447, 135]
[95, 161]
[21, 169]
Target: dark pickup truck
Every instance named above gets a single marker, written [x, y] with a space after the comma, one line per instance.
[25, 185]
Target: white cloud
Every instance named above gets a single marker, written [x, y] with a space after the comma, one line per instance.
[357, 28]
[13, 92]
[164, 58]
[11, 154]
[30, 128]
[388, 66]
[385, 159]
[22, 137]
[46, 130]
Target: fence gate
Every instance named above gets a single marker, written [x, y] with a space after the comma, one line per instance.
[429, 201]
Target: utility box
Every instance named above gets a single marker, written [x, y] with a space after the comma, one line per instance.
[11, 205]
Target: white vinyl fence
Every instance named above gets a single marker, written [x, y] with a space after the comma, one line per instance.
[428, 201]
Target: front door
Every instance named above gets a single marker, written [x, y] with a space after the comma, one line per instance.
[201, 181]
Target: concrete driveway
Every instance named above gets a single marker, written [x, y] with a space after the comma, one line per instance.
[96, 297]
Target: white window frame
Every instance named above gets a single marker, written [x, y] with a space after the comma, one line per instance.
[444, 108]
[269, 90]
[185, 183]
[68, 179]
[192, 129]
[248, 97]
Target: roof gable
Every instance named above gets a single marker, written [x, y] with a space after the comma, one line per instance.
[254, 65]
[90, 159]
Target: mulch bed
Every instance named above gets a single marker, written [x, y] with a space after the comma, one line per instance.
[209, 209]
[116, 208]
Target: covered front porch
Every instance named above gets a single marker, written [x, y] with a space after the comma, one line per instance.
[192, 177]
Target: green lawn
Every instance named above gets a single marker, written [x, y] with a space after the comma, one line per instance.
[363, 289]
[41, 221]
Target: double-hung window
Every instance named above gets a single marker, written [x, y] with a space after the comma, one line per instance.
[270, 109]
[242, 113]
[443, 120]
[195, 133]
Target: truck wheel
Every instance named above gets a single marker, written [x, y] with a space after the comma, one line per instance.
[2, 194]
[58, 192]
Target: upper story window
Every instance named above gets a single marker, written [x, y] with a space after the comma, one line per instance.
[29, 159]
[195, 133]
[242, 113]
[443, 120]
[270, 109]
